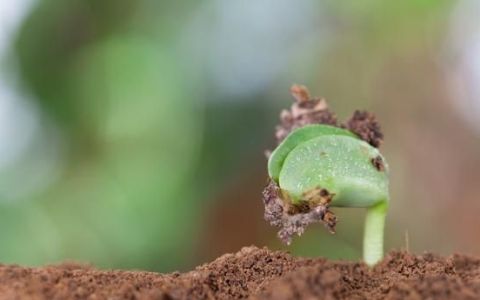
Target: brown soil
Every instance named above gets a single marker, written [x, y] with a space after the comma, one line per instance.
[294, 219]
[257, 274]
[314, 110]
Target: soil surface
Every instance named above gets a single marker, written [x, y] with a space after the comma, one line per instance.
[255, 273]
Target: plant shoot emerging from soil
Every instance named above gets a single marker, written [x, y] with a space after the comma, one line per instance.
[320, 164]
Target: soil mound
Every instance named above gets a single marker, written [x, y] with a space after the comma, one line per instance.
[254, 273]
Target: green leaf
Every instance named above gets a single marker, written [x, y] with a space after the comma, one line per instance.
[297, 137]
[339, 163]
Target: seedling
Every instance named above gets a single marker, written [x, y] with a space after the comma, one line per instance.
[319, 166]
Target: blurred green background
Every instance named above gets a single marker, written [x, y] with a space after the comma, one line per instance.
[132, 132]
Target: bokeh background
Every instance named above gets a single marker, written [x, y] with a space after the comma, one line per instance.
[132, 133]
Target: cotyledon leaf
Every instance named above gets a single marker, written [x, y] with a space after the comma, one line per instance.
[297, 137]
[339, 163]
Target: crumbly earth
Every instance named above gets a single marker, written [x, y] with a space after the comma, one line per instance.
[294, 219]
[304, 111]
[254, 273]
[364, 124]
[308, 110]
[378, 163]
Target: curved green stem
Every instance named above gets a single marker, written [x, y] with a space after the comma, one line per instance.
[374, 230]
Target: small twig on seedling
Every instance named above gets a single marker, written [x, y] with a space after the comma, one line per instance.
[319, 165]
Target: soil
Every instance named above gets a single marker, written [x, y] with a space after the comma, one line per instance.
[255, 273]
[294, 219]
[314, 110]
[366, 126]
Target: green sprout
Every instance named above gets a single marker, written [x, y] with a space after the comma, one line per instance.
[318, 166]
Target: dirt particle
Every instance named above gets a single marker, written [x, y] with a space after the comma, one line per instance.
[378, 163]
[304, 111]
[365, 125]
[308, 110]
[300, 93]
[294, 218]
